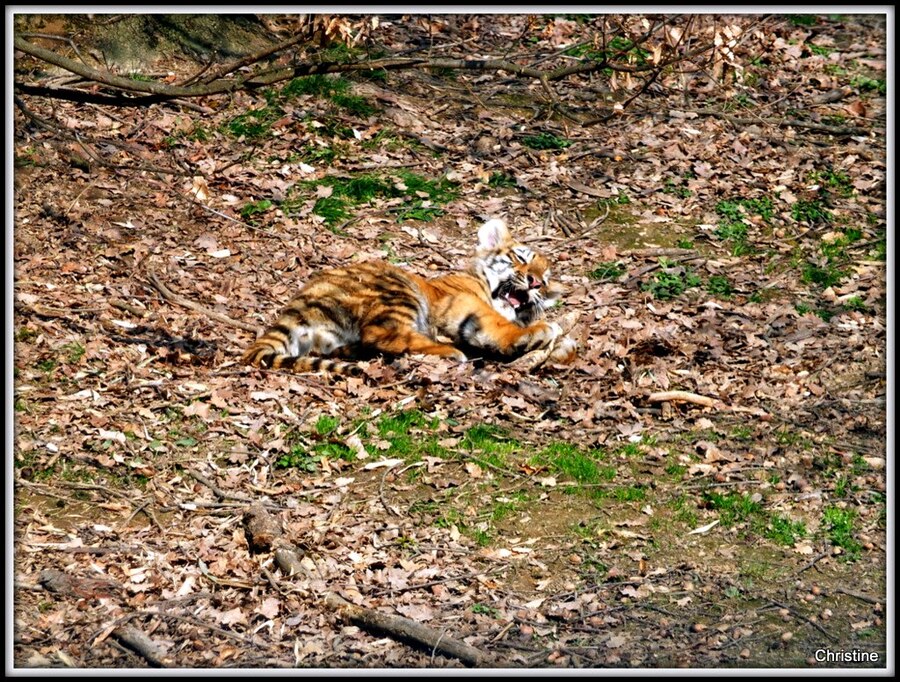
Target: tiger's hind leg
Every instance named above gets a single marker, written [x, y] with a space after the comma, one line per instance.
[398, 342]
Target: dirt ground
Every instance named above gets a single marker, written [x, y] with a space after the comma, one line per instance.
[705, 487]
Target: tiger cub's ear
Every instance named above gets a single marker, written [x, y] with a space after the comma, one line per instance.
[492, 234]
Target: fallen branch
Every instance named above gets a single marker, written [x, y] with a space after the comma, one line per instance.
[128, 308]
[585, 189]
[682, 396]
[687, 397]
[783, 123]
[172, 297]
[74, 95]
[127, 84]
[218, 492]
[261, 528]
[154, 91]
[410, 631]
[404, 629]
[135, 640]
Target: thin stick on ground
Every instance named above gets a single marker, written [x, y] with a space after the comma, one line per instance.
[800, 616]
[856, 595]
[172, 297]
[812, 563]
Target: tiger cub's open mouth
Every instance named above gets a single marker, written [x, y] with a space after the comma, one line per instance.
[516, 297]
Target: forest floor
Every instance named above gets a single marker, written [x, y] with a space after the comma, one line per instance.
[571, 516]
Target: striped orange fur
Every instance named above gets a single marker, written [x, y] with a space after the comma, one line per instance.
[494, 309]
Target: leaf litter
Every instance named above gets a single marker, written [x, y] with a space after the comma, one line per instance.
[554, 518]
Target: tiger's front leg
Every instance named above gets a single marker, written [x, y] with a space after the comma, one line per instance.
[490, 331]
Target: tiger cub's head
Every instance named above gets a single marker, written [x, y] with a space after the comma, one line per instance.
[517, 276]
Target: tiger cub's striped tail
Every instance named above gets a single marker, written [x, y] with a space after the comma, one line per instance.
[264, 356]
[279, 349]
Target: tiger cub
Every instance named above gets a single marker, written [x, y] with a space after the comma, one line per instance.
[494, 310]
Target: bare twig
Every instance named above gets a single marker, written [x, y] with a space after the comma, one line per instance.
[221, 494]
[799, 615]
[226, 69]
[246, 641]
[687, 397]
[812, 563]
[128, 308]
[783, 123]
[432, 583]
[172, 297]
[252, 228]
[856, 595]
[288, 560]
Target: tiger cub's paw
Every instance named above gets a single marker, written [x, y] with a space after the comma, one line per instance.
[459, 356]
[555, 331]
[564, 351]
